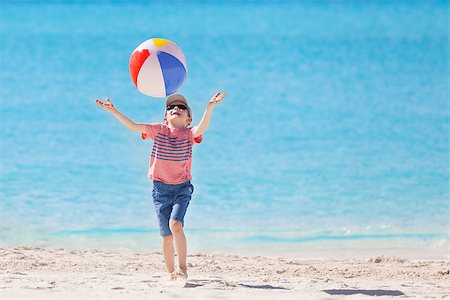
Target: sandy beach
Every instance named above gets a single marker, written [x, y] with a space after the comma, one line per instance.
[46, 273]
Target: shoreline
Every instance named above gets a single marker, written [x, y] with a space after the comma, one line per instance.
[411, 249]
[47, 273]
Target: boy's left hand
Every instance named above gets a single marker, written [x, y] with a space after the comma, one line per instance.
[217, 98]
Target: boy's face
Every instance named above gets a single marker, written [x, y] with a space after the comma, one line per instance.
[177, 117]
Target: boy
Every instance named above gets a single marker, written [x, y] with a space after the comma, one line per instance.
[170, 170]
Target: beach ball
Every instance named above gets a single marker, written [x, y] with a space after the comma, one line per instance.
[158, 67]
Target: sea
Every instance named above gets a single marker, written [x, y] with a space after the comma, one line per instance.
[333, 138]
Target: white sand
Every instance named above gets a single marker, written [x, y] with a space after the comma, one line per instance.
[37, 273]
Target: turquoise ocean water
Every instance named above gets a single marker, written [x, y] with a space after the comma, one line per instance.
[335, 133]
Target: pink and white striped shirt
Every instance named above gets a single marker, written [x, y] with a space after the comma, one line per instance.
[171, 157]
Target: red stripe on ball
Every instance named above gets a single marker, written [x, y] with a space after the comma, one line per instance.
[137, 59]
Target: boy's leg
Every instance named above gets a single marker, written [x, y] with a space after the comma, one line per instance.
[176, 223]
[180, 243]
[163, 207]
[168, 253]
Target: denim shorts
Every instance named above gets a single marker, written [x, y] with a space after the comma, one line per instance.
[171, 202]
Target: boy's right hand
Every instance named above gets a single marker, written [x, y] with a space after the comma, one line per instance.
[108, 106]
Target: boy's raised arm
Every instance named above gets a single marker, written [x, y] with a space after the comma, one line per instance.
[109, 107]
[204, 122]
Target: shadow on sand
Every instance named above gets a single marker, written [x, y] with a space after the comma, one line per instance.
[263, 286]
[365, 292]
[201, 282]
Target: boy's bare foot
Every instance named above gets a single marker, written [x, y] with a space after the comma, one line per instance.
[182, 273]
[173, 276]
